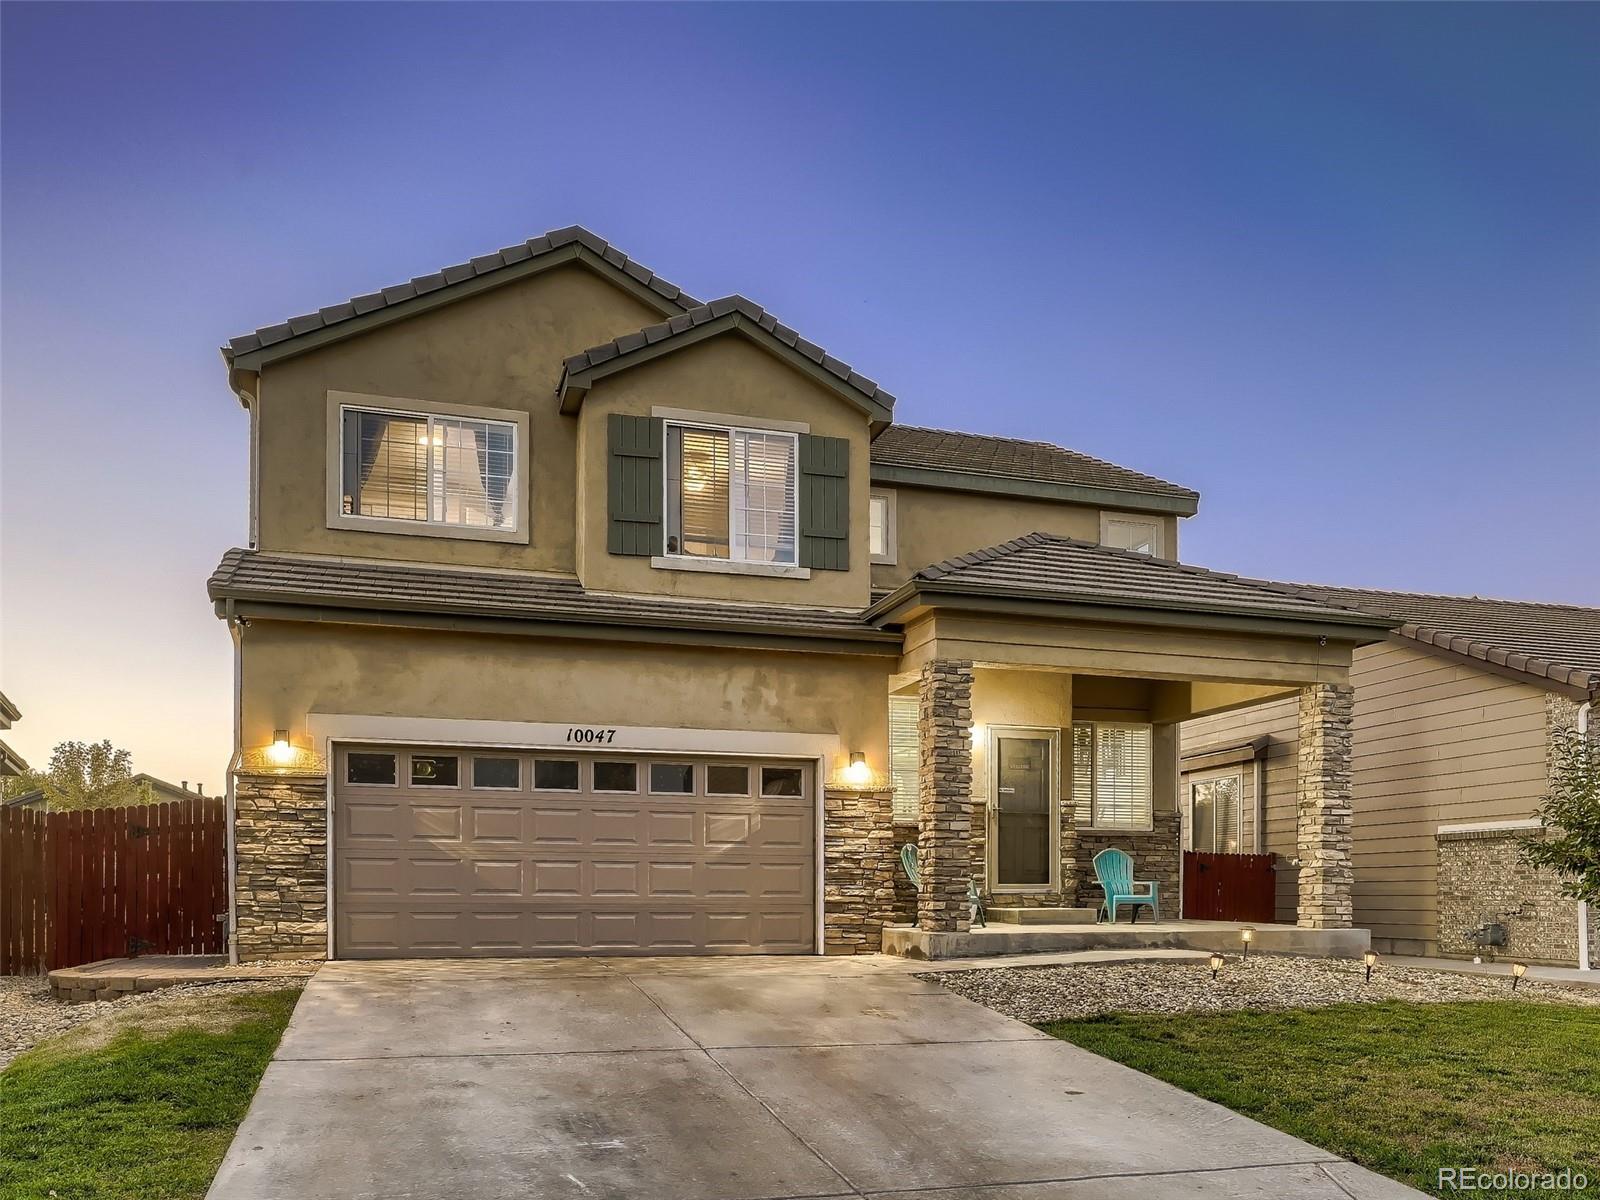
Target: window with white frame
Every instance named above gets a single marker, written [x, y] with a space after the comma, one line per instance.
[880, 527]
[1216, 815]
[904, 757]
[452, 471]
[1131, 533]
[1111, 775]
[731, 494]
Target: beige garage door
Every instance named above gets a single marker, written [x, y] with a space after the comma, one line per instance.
[443, 852]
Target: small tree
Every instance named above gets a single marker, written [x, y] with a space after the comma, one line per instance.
[1570, 814]
[84, 775]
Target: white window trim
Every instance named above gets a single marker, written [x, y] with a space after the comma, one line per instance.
[1149, 826]
[689, 416]
[1158, 541]
[401, 406]
[890, 525]
[1200, 779]
[730, 565]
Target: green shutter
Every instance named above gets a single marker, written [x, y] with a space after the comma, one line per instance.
[824, 503]
[633, 484]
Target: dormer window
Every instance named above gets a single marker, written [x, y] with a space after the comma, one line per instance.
[1138, 534]
[731, 494]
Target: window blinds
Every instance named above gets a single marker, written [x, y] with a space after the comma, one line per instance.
[904, 757]
[1111, 775]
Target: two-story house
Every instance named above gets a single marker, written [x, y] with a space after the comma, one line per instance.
[581, 616]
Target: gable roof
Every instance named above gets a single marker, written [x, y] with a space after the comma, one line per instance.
[1051, 568]
[728, 314]
[9, 712]
[253, 576]
[912, 454]
[11, 763]
[1555, 643]
[463, 279]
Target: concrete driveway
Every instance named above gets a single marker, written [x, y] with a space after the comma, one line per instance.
[722, 1079]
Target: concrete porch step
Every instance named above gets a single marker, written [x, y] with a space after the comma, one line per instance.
[1041, 916]
[910, 942]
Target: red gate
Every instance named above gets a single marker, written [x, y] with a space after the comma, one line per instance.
[1229, 887]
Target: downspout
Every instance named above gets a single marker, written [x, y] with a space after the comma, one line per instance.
[1260, 783]
[1583, 905]
[236, 632]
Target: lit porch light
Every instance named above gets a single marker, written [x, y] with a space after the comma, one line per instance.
[1370, 959]
[1518, 970]
[857, 773]
[281, 751]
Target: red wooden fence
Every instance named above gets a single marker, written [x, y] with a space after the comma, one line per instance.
[1229, 887]
[81, 886]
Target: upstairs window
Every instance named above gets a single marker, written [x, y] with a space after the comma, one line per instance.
[1131, 533]
[1111, 775]
[731, 494]
[446, 471]
[880, 527]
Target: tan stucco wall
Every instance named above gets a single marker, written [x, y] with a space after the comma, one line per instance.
[1435, 742]
[291, 670]
[502, 349]
[726, 376]
[932, 525]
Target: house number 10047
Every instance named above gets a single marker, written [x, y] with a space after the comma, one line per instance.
[592, 736]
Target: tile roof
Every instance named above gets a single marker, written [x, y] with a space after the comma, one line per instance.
[1047, 566]
[484, 264]
[1560, 642]
[703, 314]
[362, 583]
[1010, 458]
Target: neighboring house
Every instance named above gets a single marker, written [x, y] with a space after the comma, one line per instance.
[150, 791]
[11, 763]
[1454, 716]
[581, 616]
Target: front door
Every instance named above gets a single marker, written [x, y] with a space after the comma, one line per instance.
[1024, 820]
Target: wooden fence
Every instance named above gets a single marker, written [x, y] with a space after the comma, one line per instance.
[1229, 887]
[81, 886]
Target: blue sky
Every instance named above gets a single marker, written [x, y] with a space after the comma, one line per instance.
[1337, 267]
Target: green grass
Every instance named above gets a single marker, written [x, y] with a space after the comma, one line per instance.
[1401, 1088]
[147, 1113]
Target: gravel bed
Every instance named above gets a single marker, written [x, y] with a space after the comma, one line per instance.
[1264, 982]
[29, 1013]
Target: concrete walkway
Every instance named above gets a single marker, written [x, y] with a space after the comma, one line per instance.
[723, 1079]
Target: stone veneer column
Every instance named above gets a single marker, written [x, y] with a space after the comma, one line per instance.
[858, 869]
[1323, 807]
[280, 848]
[945, 775]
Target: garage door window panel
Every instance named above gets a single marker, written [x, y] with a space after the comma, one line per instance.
[365, 768]
[555, 774]
[496, 773]
[616, 778]
[435, 770]
[782, 782]
[726, 780]
[672, 779]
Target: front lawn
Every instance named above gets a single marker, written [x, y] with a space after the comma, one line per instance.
[1402, 1088]
[142, 1106]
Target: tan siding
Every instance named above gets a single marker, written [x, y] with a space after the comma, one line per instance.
[1435, 742]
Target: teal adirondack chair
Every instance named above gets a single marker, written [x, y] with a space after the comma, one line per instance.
[908, 860]
[1113, 870]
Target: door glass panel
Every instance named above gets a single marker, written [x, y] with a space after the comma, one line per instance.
[1022, 811]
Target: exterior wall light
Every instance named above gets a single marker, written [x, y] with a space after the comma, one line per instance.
[281, 751]
[1370, 959]
[1247, 935]
[1216, 962]
[1518, 970]
[857, 772]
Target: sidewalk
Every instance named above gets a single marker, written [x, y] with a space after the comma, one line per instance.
[1468, 967]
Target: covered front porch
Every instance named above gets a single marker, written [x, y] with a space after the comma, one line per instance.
[1047, 680]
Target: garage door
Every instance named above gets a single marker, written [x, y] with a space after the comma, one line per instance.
[444, 852]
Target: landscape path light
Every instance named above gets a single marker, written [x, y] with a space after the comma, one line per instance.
[1518, 970]
[1216, 962]
[1370, 958]
[1247, 935]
